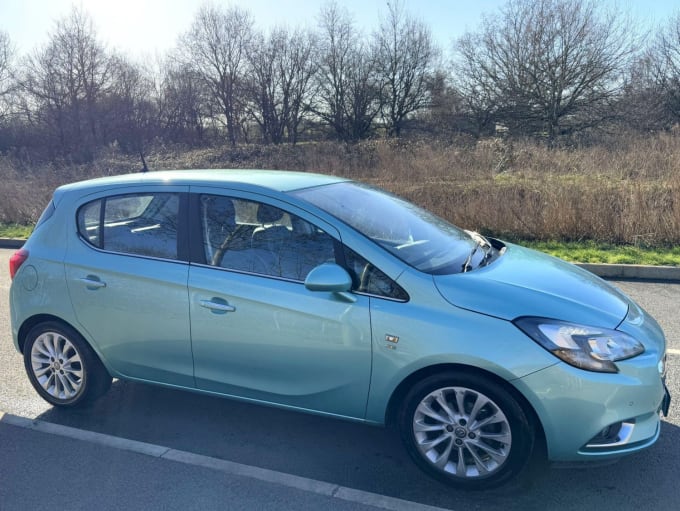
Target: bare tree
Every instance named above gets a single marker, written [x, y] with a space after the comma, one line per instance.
[183, 103]
[642, 104]
[298, 68]
[264, 85]
[347, 93]
[281, 67]
[63, 82]
[6, 79]
[128, 112]
[405, 60]
[362, 103]
[480, 93]
[547, 67]
[216, 48]
[665, 54]
[446, 114]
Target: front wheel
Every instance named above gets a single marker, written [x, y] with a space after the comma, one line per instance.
[466, 430]
[62, 367]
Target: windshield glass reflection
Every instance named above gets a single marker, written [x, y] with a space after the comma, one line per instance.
[414, 235]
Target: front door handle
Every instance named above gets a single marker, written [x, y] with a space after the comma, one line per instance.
[92, 282]
[217, 306]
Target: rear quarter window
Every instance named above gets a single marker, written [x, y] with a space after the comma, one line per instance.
[46, 214]
[138, 224]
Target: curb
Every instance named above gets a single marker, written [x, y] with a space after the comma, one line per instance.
[607, 271]
[633, 271]
[11, 243]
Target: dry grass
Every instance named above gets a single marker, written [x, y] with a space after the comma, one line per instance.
[627, 192]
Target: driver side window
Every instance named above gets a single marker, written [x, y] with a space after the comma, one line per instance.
[256, 237]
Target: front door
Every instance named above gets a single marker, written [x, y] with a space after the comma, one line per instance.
[257, 332]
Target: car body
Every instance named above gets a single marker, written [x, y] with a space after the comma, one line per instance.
[320, 294]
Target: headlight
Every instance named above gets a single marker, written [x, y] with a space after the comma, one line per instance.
[585, 347]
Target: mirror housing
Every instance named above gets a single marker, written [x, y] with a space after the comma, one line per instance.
[331, 278]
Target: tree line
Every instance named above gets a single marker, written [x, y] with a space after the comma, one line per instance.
[553, 70]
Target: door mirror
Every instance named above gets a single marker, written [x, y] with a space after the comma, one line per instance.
[331, 278]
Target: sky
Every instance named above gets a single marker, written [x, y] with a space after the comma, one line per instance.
[145, 28]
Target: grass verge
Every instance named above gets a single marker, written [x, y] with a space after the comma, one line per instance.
[591, 252]
[15, 231]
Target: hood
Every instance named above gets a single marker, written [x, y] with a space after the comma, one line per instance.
[524, 282]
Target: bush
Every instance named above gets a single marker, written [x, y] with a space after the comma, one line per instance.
[625, 191]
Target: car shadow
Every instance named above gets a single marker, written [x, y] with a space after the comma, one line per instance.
[359, 456]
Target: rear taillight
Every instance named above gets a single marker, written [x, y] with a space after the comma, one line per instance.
[16, 261]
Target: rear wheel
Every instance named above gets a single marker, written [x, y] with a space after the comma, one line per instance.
[466, 430]
[62, 367]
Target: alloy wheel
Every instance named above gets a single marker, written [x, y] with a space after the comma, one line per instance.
[57, 366]
[462, 432]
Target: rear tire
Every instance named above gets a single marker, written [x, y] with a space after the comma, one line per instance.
[62, 367]
[466, 430]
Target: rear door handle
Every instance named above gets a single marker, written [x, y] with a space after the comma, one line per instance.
[92, 282]
[217, 306]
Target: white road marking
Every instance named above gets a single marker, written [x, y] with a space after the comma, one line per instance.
[673, 352]
[224, 466]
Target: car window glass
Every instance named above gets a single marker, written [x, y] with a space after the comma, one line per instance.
[141, 224]
[414, 235]
[259, 238]
[89, 217]
[125, 208]
[366, 278]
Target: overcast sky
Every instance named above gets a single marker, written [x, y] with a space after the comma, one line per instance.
[146, 27]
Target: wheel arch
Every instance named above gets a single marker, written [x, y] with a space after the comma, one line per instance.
[93, 377]
[407, 383]
[33, 321]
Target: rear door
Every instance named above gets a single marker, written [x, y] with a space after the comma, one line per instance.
[127, 281]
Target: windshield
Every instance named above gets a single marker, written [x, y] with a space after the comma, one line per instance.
[414, 235]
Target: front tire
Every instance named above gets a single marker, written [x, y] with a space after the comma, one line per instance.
[62, 367]
[466, 430]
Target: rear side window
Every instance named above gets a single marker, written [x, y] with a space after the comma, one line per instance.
[140, 224]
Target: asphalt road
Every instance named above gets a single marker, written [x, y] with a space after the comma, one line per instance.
[347, 454]
[110, 478]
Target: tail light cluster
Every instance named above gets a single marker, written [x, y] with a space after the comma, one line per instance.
[16, 261]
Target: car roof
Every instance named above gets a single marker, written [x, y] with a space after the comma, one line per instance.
[277, 180]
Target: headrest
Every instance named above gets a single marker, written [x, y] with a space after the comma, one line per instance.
[219, 209]
[267, 214]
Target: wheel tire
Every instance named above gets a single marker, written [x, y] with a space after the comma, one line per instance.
[461, 447]
[62, 367]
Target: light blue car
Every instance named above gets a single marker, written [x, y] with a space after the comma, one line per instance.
[324, 295]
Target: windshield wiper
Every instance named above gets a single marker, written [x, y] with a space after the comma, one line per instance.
[480, 242]
[466, 264]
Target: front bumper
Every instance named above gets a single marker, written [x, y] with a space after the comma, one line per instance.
[587, 415]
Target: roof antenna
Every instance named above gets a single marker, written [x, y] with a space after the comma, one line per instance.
[144, 167]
